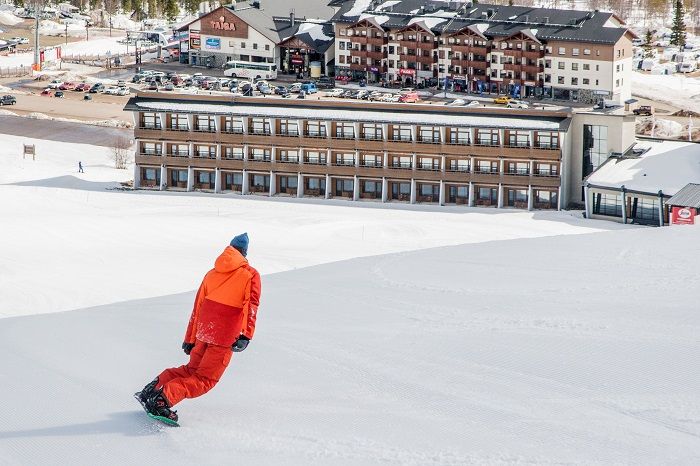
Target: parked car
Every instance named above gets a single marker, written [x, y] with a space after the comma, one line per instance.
[334, 92]
[407, 89]
[8, 100]
[152, 86]
[457, 103]
[67, 86]
[517, 104]
[646, 110]
[169, 87]
[687, 67]
[20, 40]
[296, 87]
[55, 84]
[503, 99]
[281, 90]
[473, 103]
[352, 94]
[58, 94]
[409, 97]
[309, 88]
[97, 87]
[362, 94]
[111, 90]
[123, 91]
[374, 95]
[82, 87]
[47, 92]
[325, 82]
[260, 83]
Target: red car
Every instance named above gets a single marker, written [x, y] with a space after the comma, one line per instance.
[67, 86]
[47, 92]
[82, 87]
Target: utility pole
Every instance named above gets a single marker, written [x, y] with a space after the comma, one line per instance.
[66, 33]
[37, 65]
[87, 30]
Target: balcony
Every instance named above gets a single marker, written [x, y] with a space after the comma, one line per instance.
[375, 55]
[358, 67]
[232, 130]
[533, 69]
[533, 54]
[371, 164]
[178, 128]
[156, 126]
[401, 165]
[358, 53]
[205, 129]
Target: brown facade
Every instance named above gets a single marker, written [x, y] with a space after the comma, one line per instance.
[434, 164]
[221, 22]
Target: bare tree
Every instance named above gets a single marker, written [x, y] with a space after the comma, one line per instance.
[121, 152]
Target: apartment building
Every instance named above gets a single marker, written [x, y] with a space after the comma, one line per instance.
[487, 157]
[581, 56]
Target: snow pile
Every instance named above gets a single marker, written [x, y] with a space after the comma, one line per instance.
[677, 90]
[429, 21]
[658, 127]
[111, 123]
[667, 166]
[9, 19]
[358, 8]
[122, 21]
[379, 19]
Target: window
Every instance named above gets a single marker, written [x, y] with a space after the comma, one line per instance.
[178, 122]
[519, 138]
[487, 137]
[402, 161]
[371, 160]
[288, 156]
[617, 68]
[316, 129]
[560, 79]
[586, 67]
[562, 51]
[204, 123]
[645, 210]
[545, 199]
[341, 45]
[574, 52]
[289, 127]
[344, 130]
[180, 150]
[260, 125]
[459, 165]
[371, 131]
[151, 148]
[545, 169]
[428, 163]
[597, 67]
[547, 140]
[401, 191]
[260, 183]
[267, 47]
[206, 152]
[429, 190]
[487, 166]
[255, 46]
[233, 125]
[518, 168]
[517, 198]
[574, 81]
[343, 32]
[233, 153]
[429, 134]
[204, 177]
[548, 63]
[597, 53]
[617, 83]
[586, 81]
[574, 67]
[242, 45]
[487, 196]
[315, 157]
[607, 204]
[232, 181]
[371, 187]
[345, 158]
[595, 147]
[586, 51]
[401, 133]
[259, 154]
[561, 65]
[596, 82]
[343, 187]
[150, 121]
[150, 174]
[460, 136]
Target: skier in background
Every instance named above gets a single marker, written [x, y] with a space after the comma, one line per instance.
[80, 167]
[222, 323]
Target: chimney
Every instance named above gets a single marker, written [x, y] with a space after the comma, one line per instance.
[546, 20]
[292, 18]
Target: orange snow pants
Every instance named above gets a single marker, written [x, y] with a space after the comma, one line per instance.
[207, 364]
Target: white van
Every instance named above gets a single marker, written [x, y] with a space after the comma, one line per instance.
[687, 67]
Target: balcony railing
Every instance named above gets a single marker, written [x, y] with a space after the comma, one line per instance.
[178, 128]
[288, 160]
[344, 163]
[518, 172]
[178, 154]
[462, 141]
[205, 129]
[401, 138]
[487, 143]
[540, 145]
[151, 153]
[314, 134]
[289, 133]
[344, 136]
[371, 164]
[428, 140]
[487, 171]
[459, 168]
[399, 165]
[546, 173]
[516, 144]
[150, 126]
[372, 137]
[260, 132]
[232, 130]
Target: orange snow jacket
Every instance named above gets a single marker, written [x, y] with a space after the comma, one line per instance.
[227, 302]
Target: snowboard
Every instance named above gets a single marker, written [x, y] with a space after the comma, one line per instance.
[162, 419]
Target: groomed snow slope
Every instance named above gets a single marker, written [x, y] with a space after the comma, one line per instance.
[72, 243]
[579, 349]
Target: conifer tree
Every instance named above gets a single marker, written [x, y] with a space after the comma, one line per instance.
[648, 47]
[678, 28]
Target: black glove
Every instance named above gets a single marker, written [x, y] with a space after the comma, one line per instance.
[240, 344]
[187, 347]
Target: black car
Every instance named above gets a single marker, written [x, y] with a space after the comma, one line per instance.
[97, 87]
[58, 94]
[8, 100]
[281, 90]
[325, 82]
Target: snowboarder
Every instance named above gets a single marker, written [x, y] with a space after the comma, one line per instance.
[80, 167]
[222, 323]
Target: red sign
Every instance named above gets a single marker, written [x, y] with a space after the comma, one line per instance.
[407, 71]
[195, 40]
[222, 24]
[297, 59]
[683, 215]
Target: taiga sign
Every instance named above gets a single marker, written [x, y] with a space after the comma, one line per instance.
[221, 22]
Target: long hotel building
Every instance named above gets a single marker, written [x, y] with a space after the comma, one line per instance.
[411, 153]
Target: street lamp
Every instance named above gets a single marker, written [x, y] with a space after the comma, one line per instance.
[87, 30]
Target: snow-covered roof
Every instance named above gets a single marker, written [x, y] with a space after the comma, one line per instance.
[667, 166]
[401, 115]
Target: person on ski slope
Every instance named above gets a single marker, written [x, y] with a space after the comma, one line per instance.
[222, 323]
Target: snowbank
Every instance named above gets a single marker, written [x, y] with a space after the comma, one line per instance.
[9, 19]
[658, 127]
[677, 90]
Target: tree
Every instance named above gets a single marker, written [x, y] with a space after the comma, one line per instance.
[648, 44]
[111, 8]
[171, 9]
[121, 153]
[678, 28]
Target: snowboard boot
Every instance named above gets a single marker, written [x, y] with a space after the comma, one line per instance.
[147, 391]
[158, 405]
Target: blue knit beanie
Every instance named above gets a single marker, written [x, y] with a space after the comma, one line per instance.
[240, 242]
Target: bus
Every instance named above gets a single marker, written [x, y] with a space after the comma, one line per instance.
[250, 70]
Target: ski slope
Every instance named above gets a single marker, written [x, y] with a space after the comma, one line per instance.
[386, 335]
[563, 350]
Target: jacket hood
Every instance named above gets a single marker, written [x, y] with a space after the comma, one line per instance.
[229, 260]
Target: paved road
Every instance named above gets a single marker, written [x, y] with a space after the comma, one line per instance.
[61, 131]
